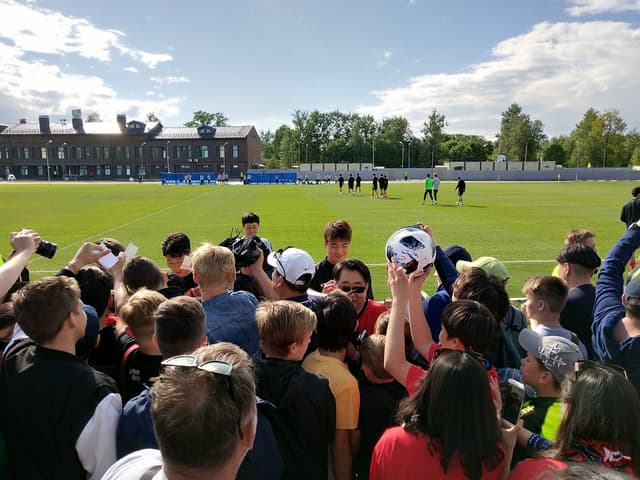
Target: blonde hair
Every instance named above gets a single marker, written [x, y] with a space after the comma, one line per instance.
[551, 289]
[282, 323]
[213, 265]
[372, 354]
[138, 312]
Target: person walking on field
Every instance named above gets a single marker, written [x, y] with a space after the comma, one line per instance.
[428, 187]
[436, 186]
[340, 183]
[374, 186]
[460, 187]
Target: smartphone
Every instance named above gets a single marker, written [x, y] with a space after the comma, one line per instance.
[512, 398]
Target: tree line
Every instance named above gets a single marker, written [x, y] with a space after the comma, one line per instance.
[600, 139]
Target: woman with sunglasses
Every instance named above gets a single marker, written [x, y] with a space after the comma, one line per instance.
[353, 278]
[600, 424]
[450, 428]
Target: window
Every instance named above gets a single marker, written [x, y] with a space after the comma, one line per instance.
[204, 151]
[105, 153]
[4, 153]
[24, 171]
[156, 153]
[43, 153]
[24, 152]
[234, 151]
[221, 151]
[118, 169]
[119, 153]
[97, 152]
[83, 170]
[107, 170]
[98, 170]
[127, 152]
[61, 153]
[79, 153]
[40, 170]
[128, 169]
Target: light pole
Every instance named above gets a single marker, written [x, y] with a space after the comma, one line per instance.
[167, 154]
[224, 161]
[141, 172]
[409, 154]
[373, 156]
[46, 152]
[64, 155]
[402, 158]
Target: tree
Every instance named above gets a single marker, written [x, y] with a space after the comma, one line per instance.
[553, 151]
[433, 135]
[613, 131]
[519, 137]
[202, 118]
[599, 140]
[266, 145]
[151, 117]
[93, 117]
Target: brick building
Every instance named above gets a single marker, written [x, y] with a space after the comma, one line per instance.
[122, 149]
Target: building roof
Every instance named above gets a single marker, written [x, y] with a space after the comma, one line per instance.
[154, 129]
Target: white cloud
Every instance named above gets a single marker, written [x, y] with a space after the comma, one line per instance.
[554, 71]
[169, 80]
[592, 7]
[31, 88]
[130, 69]
[35, 29]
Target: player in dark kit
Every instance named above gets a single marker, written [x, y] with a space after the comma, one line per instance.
[460, 187]
[340, 182]
[374, 186]
[358, 183]
[351, 181]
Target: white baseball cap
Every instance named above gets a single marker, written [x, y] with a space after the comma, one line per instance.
[294, 265]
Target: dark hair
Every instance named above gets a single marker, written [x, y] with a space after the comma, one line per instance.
[142, 272]
[454, 409]
[337, 320]
[250, 217]
[337, 230]
[581, 255]
[179, 326]
[95, 287]
[484, 287]
[471, 323]
[112, 244]
[635, 191]
[355, 265]
[176, 245]
[7, 315]
[602, 405]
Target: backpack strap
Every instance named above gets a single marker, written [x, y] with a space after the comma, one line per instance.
[123, 365]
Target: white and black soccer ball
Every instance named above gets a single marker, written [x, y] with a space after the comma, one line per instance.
[412, 249]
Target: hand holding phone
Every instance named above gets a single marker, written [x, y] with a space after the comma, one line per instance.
[512, 399]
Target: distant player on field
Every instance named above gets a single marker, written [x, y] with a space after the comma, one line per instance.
[461, 188]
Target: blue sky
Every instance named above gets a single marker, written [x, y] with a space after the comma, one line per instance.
[259, 60]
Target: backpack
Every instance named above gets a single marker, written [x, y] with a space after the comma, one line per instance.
[508, 352]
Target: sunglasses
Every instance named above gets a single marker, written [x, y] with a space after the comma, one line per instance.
[215, 367]
[277, 256]
[475, 355]
[582, 365]
[349, 291]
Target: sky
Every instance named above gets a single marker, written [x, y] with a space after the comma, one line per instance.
[257, 61]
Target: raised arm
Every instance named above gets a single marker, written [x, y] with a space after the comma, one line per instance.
[24, 243]
[395, 360]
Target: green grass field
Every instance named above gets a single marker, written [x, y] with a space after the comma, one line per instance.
[522, 224]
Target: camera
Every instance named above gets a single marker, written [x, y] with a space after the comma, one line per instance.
[47, 249]
[247, 250]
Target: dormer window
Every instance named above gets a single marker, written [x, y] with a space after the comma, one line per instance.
[206, 131]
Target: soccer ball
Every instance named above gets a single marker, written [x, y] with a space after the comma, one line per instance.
[412, 249]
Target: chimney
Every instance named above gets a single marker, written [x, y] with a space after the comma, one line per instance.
[122, 121]
[77, 124]
[44, 124]
[23, 121]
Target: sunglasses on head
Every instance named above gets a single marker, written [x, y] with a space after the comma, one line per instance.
[583, 365]
[216, 367]
[358, 289]
[278, 253]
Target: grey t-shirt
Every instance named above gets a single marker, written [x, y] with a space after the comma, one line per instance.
[564, 333]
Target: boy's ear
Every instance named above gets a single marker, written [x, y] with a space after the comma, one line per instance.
[540, 304]
[545, 377]
[128, 331]
[455, 341]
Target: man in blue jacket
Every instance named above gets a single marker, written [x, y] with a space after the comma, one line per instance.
[616, 312]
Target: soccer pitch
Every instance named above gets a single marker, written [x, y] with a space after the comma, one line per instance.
[523, 224]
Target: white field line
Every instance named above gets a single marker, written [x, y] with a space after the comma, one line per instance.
[369, 264]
